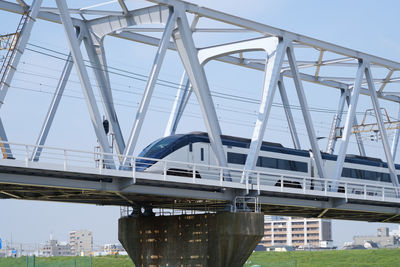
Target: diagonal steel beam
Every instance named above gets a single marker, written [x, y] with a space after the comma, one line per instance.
[382, 129]
[266, 30]
[306, 112]
[189, 56]
[395, 143]
[23, 4]
[97, 57]
[386, 80]
[288, 113]
[4, 147]
[319, 63]
[19, 49]
[85, 82]
[351, 113]
[360, 143]
[123, 7]
[182, 97]
[271, 78]
[141, 113]
[37, 150]
[252, 65]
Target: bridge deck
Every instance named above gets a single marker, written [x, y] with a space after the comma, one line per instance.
[69, 180]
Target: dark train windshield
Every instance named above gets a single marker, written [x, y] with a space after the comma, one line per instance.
[161, 147]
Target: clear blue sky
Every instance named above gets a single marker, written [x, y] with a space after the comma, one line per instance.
[368, 26]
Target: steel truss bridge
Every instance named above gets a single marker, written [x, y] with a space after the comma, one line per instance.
[44, 173]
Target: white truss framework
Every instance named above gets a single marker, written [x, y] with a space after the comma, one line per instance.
[177, 34]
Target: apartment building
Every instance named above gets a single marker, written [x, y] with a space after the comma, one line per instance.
[296, 232]
[53, 248]
[81, 242]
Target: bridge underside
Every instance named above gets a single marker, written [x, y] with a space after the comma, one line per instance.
[34, 184]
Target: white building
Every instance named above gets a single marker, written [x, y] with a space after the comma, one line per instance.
[395, 232]
[53, 248]
[297, 232]
[81, 242]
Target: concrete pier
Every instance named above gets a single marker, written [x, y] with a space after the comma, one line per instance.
[216, 239]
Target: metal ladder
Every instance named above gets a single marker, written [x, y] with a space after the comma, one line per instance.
[9, 42]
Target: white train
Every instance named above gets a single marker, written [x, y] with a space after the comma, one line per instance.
[273, 158]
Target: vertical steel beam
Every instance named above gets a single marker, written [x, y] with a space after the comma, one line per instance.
[189, 55]
[85, 82]
[306, 112]
[19, 49]
[271, 77]
[182, 96]
[144, 105]
[97, 57]
[360, 143]
[351, 113]
[395, 142]
[330, 147]
[382, 129]
[288, 113]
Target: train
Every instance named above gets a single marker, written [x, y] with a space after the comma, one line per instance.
[273, 158]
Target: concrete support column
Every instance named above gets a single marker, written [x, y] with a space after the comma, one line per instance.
[215, 239]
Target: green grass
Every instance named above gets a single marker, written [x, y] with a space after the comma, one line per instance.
[332, 258]
[339, 258]
[100, 261]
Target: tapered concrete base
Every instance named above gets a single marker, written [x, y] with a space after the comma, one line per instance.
[221, 239]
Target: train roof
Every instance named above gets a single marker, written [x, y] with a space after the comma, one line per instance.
[277, 147]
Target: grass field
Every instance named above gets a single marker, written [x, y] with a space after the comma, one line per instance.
[333, 258]
[341, 258]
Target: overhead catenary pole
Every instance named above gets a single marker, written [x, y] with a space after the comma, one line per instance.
[144, 104]
[336, 123]
[85, 82]
[351, 113]
[306, 112]
[58, 93]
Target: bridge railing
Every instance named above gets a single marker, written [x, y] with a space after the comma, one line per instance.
[259, 181]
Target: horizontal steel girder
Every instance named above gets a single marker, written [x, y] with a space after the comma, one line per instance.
[245, 25]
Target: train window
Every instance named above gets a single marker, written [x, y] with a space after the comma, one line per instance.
[190, 147]
[385, 177]
[366, 175]
[266, 162]
[236, 158]
[202, 154]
